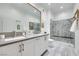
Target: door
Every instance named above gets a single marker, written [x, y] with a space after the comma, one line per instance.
[28, 47]
[11, 50]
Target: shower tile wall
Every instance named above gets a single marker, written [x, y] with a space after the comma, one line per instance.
[60, 30]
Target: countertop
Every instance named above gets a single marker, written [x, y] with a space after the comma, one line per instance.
[8, 41]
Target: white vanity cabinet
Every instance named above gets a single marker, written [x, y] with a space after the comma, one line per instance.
[28, 47]
[24, 48]
[44, 43]
[41, 44]
[37, 46]
[11, 50]
[31, 47]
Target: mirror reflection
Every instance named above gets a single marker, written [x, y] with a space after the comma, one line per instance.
[19, 17]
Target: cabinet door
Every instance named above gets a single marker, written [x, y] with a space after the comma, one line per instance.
[40, 45]
[28, 47]
[10, 50]
[37, 46]
[43, 44]
[46, 42]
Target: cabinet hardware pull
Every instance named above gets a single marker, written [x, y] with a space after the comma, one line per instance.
[22, 47]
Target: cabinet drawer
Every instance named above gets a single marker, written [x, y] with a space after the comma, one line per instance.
[10, 50]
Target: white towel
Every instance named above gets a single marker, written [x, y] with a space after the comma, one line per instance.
[74, 26]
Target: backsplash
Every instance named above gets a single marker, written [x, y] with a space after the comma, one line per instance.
[11, 34]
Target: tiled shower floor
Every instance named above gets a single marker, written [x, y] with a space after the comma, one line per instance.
[66, 40]
[58, 48]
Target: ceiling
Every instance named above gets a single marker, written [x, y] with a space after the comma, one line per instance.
[43, 5]
[56, 8]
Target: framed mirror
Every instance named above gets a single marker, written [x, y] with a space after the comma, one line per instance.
[19, 17]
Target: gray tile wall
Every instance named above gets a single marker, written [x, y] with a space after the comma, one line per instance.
[60, 30]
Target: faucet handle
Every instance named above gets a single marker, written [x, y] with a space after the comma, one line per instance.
[24, 33]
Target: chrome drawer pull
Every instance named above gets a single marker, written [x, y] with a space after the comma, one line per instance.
[22, 47]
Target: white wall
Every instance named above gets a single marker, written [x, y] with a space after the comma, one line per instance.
[47, 22]
[76, 7]
[1, 25]
[77, 32]
[77, 41]
[46, 16]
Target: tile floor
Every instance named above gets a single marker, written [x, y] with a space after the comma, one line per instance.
[58, 48]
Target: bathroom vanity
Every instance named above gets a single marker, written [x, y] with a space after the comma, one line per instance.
[34, 45]
[16, 19]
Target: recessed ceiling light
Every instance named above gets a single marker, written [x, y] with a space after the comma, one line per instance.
[61, 7]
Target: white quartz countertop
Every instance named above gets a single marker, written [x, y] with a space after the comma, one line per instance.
[18, 39]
